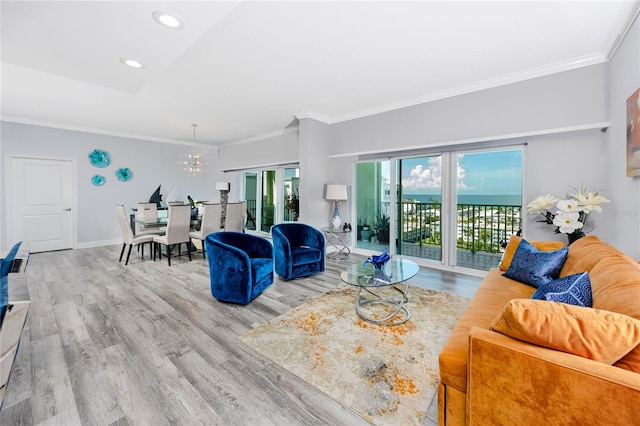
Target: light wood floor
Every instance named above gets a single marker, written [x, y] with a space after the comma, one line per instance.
[147, 344]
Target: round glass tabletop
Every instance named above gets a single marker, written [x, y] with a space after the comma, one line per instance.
[395, 271]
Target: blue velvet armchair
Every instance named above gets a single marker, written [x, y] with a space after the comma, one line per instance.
[298, 250]
[240, 266]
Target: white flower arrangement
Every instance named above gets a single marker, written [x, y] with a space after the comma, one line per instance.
[571, 214]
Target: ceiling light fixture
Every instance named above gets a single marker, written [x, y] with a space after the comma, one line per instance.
[131, 63]
[193, 163]
[168, 19]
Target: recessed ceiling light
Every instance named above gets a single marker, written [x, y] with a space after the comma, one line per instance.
[168, 19]
[131, 63]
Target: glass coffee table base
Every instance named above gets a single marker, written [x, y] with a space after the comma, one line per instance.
[389, 310]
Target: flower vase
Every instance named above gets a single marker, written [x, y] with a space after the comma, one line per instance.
[572, 238]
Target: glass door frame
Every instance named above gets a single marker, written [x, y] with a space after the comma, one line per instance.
[449, 191]
[279, 193]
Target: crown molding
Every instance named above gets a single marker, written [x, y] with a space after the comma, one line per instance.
[74, 128]
[269, 135]
[314, 116]
[628, 14]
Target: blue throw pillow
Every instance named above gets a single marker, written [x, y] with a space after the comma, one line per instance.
[556, 286]
[534, 267]
[578, 293]
[4, 297]
[5, 268]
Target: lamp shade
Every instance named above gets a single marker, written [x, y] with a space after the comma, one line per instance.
[223, 186]
[336, 192]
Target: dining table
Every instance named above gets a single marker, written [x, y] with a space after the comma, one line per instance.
[161, 220]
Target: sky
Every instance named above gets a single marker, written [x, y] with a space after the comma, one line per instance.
[485, 173]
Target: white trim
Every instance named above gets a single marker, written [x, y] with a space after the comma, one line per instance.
[628, 14]
[263, 136]
[259, 167]
[314, 116]
[602, 125]
[101, 243]
[74, 128]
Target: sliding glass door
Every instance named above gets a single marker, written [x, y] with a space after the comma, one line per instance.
[454, 207]
[251, 196]
[488, 205]
[272, 197]
[372, 205]
[291, 192]
[419, 207]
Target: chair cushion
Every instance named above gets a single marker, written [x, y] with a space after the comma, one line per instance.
[262, 270]
[304, 255]
[615, 282]
[596, 334]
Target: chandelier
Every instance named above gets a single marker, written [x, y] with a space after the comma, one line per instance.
[193, 164]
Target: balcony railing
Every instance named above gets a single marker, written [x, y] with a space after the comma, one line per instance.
[266, 220]
[480, 228]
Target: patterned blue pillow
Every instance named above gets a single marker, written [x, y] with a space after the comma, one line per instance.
[578, 293]
[4, 297]
[534, 267]
[556, 286]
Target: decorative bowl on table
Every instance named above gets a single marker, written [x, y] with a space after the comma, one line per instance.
[378, 261]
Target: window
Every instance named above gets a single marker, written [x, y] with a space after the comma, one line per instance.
[453, 207]
[272, 197]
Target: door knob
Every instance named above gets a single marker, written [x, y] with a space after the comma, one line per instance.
[68, 209]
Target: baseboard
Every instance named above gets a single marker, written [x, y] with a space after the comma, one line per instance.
[92, 244]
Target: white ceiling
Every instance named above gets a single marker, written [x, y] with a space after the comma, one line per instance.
[242, 70]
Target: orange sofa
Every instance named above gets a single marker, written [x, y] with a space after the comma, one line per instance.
[512, 360]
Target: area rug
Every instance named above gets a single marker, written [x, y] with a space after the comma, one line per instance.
[386, 374]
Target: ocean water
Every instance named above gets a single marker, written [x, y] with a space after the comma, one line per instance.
[478, 199]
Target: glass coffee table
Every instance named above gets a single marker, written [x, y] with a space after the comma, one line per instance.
[382, 293]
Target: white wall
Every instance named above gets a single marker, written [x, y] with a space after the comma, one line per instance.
[556, 163]
[314, 172]
[152, 164]
[276, 150]
[623, 222]
[567, 99]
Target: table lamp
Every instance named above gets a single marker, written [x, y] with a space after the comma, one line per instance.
[336, 193]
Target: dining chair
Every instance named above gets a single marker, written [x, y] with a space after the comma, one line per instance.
[148, 212]
[128, 239]
[211, 214]
[235, 218]
[177, 233]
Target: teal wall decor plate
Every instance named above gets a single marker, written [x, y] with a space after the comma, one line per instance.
[98, 180]
[99, 158]
[124, 174]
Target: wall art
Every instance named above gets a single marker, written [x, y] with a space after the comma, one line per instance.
[98, 180]
[633, 134]
[99, 158]
[124, 174]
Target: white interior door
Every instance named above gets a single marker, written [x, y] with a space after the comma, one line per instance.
[40, 200]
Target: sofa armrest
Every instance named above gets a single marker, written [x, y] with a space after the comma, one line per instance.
[10, 334]
[514, 382]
